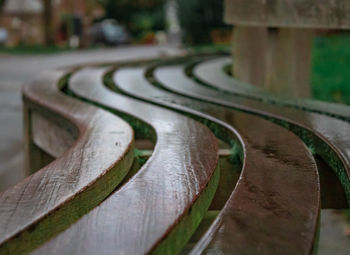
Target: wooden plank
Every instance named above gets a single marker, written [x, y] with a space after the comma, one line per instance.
[275, 174]
[326, 135]
[211, 74]
[278, 60]
[332, 192]
[159, 208]
[49, 200]
[288, 62]
[43, 147]
[27, 140]
[56, 141]
[282, 59]
[250, 46]
[289, 13]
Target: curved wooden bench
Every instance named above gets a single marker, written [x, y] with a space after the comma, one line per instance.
[327, 135]
[177, 201]
[159, 208]
[264, 198]
[49, 200]
[210, 73]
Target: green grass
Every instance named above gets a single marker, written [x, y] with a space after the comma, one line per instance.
[33, 50]
[330, 76]
[210, 48]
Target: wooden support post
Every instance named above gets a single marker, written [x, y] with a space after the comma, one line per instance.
[34, 157]
[249, 50]
[27, 137]
[288, 62]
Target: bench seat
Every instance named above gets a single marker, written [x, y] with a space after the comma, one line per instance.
[324, 134]
[172, 156]
[52, 198]
[266, 185]
[151, 210]
[210, 72]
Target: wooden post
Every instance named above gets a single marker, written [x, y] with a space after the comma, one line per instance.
[289, 61]
[27, 137]
[34, 157]
[249, 52]
[284, 65]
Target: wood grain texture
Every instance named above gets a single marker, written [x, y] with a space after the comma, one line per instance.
[289, 62]
[49, 200]
[274, 209]
[275, 175]
[56, 141]
[332, 14]
[250, 48]
[217, 240]
[278, 61]
[159, 208]
[327, 135]
[210, 72]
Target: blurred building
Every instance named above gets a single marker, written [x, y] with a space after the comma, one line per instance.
[24, 22]
[73, 18]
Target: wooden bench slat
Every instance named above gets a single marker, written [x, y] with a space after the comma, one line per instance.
[49, 200]
[169, 190]
[327, 135]
[56, 141]
[175, 195]
[211, 73]
[278, 191]
[281, 13]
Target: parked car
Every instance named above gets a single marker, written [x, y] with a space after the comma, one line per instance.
[109, 32]
[3, 36]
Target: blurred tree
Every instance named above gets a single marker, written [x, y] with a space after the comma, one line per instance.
[199, 17]
[136, 15]
[2, 2]
[48, 23]
[123, 10]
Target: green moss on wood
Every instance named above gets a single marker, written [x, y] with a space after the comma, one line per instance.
[60, 219]
[179, 236]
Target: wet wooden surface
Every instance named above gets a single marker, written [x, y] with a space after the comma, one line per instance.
[210, 72]
[176, 184]
[49, 200]
[273, 209]
[327, 135]
[274, 176]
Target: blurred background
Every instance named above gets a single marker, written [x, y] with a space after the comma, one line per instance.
[86, 23]
[52, 26]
